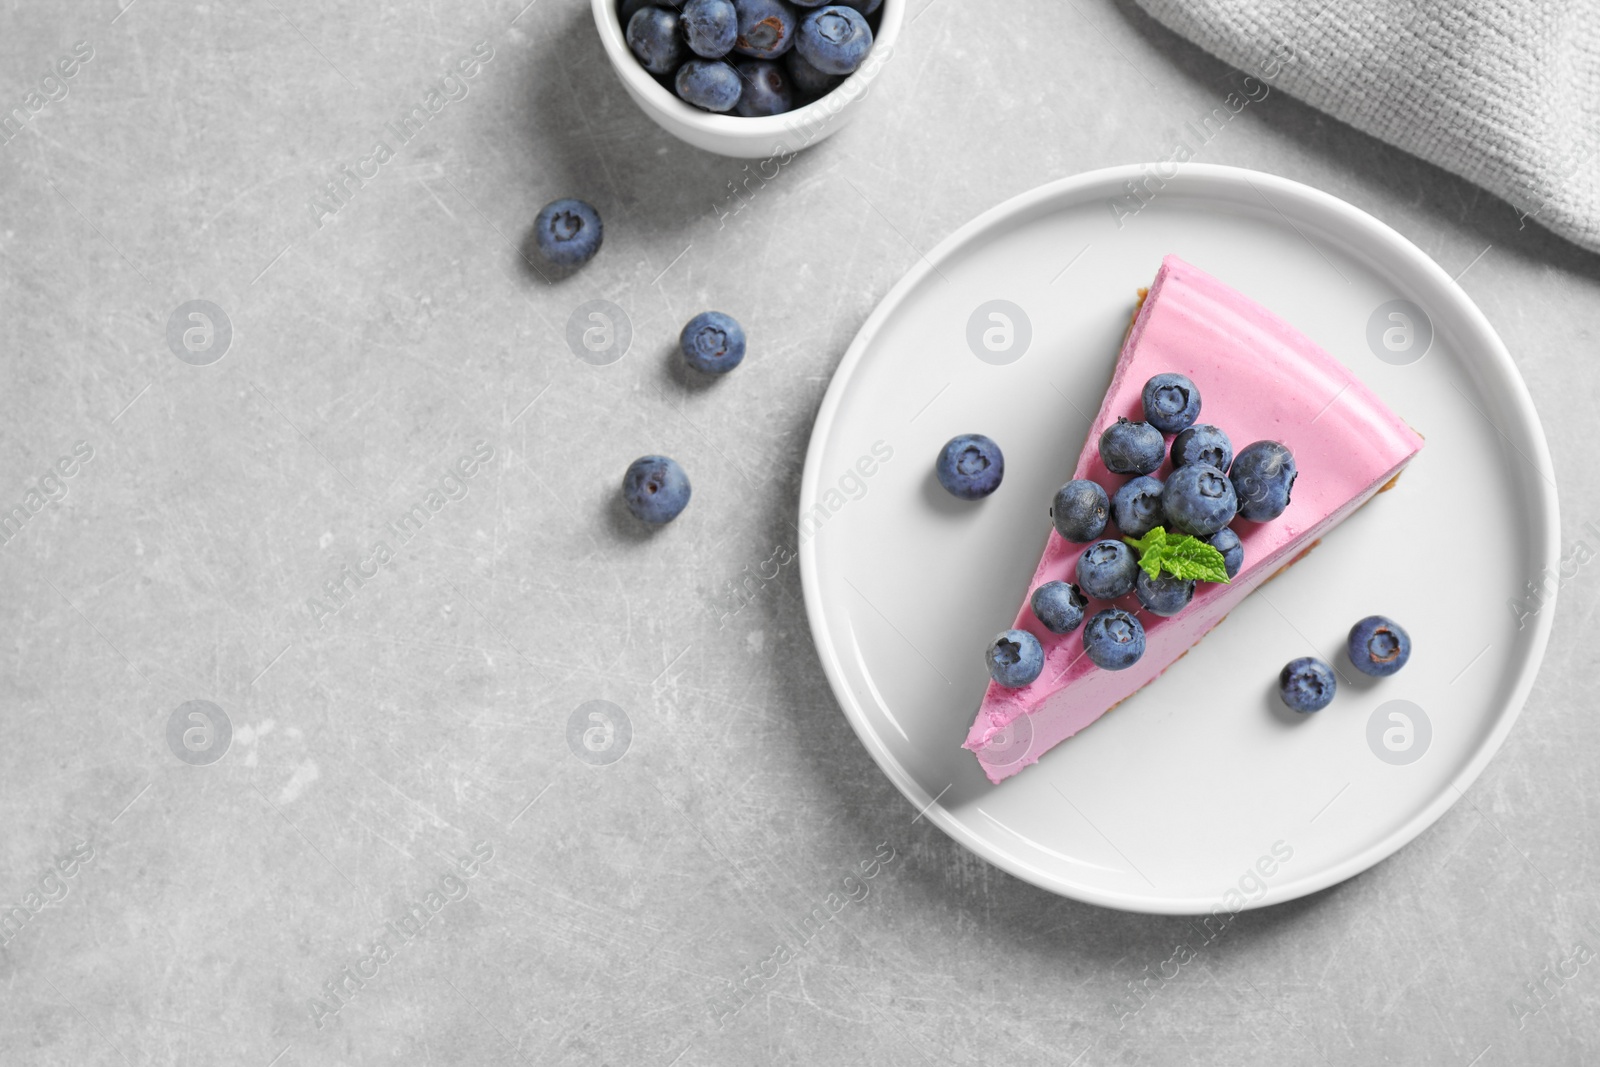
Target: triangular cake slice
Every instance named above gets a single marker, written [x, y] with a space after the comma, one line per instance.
[1259, 379]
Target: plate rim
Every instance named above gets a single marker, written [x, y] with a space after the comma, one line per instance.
[1377, 233]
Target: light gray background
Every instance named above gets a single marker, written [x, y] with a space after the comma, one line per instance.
[622, 901]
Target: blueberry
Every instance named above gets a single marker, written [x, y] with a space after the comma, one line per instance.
[1080, 511]
[1263, 473]
[1202, 444]
[1227, 542]
[970, 466]
[866, 7]
[1113, 639]
[1379, 646]
[710, 27]
[1132, 447]
[1058, 606]
[766, 28]
[1163, 595]
[766, 89]
[1171, 403]
[654, 39]
[834, 39]
[708, 83]
[1307, 684]
[568, 232]
[630, 8]
[1107, 570]
[655, 489]
[1015, 658]
[809, 79]
[712, 343]
[1198, 500]
[1136, 507]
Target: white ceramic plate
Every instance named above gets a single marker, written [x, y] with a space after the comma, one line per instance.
[1201, 792]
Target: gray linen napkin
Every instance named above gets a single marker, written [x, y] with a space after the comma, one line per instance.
[1504, 93]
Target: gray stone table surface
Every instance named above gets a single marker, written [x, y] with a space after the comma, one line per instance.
[407, 746]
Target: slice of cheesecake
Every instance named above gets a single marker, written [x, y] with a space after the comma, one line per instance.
[1259, 379]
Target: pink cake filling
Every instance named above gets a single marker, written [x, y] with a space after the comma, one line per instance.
[1259, 379]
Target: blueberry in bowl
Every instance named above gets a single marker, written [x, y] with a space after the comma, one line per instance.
[710, 84]
[820, 57]
[834, 39]
[767, 88]
[655, 35]
[808, 79]
[710, 27]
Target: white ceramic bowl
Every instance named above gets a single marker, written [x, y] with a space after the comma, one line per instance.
[733, 135]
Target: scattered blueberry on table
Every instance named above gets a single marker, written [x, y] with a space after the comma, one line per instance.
[1107, 569]
[1015, 658]
[655, 489]
[568, 232]
[1113, 640]
[1132, 447]
[1307, 684]
[712, 342]
[1080, 510]
[1378, 646]
[1058, 606]
[970, 466]
[751, 58]
[1199, 500]
[1171, 402]
[1263, 473]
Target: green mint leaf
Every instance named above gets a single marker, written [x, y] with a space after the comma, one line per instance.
[1180, 555]
[1151, 548]
[1190, 557]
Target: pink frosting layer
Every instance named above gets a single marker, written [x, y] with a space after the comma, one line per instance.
[1259, 379]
